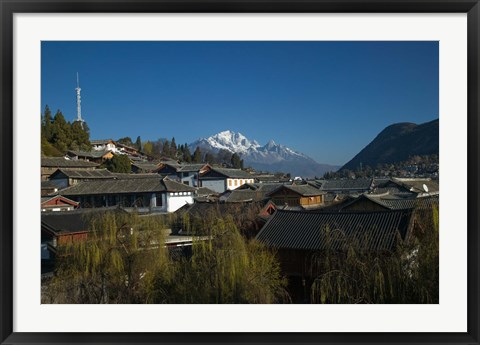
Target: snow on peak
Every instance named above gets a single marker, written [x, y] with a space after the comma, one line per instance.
[231, 141]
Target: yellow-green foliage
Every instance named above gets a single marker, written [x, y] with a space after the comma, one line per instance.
[125, 261]
[407, 275]
[117, 264]
[228, 269]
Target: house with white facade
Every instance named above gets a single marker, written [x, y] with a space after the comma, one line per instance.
[222, 179]
[152, 194]
[188, 174]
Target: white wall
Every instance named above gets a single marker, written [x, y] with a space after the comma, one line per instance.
[178, 199]
[239, 181]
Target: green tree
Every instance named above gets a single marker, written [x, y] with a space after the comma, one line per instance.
[80, 136]
[236, 162]
[61, 132]
[47, 124]
[187, 156]
[209, 158]
[197, 156]
[173, 148]
[138, 143]
[118, 163]
[166, 149]
[228, 269]
[125, 141]
[148, 148]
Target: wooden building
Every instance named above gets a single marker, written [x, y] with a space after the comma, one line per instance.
[303, 195]
[57, 203]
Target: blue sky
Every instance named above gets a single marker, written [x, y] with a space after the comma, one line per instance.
[325, 99]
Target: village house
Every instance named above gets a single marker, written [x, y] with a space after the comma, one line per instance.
[66, 178]
[387, 202]
[183, 172]
[91, 156]
[303, 196]
[222, 179]
[345, 186]
[104, 145]
[51, 164]
[57, 203]
[297, 236]
[148, 194]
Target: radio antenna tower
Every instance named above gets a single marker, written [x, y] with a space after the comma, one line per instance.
[79, 107]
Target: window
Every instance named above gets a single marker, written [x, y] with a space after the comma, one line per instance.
[236, 182]
[186, 182]
[229, 183]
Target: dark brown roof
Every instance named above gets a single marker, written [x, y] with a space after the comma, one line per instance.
[142, 185]
[319, 231]
[60, 162]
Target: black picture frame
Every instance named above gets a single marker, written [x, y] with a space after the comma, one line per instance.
[9, 7]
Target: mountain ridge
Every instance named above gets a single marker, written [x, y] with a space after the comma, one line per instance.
[270, 157]
[396, 143]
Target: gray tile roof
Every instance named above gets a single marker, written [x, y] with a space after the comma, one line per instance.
[320, 231]
[142, 185]
[302, 189]
[60, 162]
[347, 184]
[89, 154]
[72, 221]
[190, 167]
[416, 184]
[85, 174]
[241, 196]
[232, 173]
[405, 203]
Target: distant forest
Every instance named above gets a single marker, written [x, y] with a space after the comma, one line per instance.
[59, 136]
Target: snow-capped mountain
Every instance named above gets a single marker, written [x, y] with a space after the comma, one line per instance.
[271, 157]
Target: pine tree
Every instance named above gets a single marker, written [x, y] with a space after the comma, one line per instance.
[187, 156]
[173, 148]
[197, 156]
[138, 143]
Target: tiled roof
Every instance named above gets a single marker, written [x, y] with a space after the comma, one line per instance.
[201, 209]
[241, 196]
[346, 184]
[190, 167]
[417, 184]
[60, 162]
[148, 166]
[302, 189]
[405, 203]
[71, 221]
[101, 142]
[142, 185]
[203, 191]
[66, 200]
[320, 231]
[89, 154]
[232, 173]
[85, 174]
[48, 185]
[123, 176]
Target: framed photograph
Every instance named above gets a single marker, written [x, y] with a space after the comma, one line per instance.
[332, 118]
